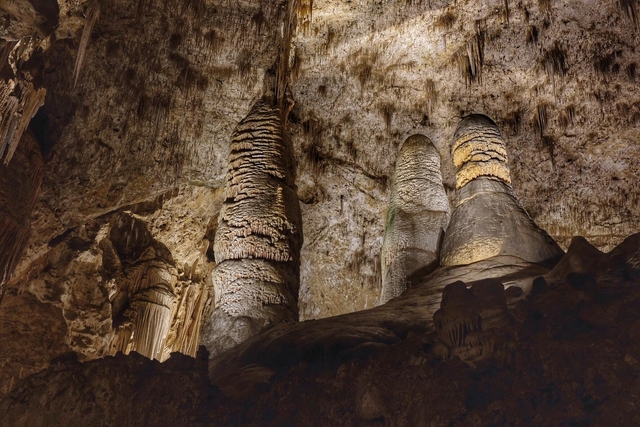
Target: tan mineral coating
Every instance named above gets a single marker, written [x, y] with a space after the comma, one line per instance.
[417, 217]
[259, 234]
[487, 218]
[479, 150]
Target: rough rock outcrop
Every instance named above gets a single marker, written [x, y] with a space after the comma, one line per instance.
[378, 367]
[473, 323]
[417, 217]
[259, 234]
[487, 218]
[20, 181]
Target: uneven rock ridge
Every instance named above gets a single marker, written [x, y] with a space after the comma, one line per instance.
[383, 366]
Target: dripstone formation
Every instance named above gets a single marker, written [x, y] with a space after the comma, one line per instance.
[145, 300]
[259, 234]
[417, 217]
[487, 220]
[473, 323]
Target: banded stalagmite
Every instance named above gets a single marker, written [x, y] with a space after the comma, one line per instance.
[417, 217]
[259, 235]
[488, 220]
[20, 181]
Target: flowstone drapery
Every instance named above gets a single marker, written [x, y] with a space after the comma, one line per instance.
[20, 181]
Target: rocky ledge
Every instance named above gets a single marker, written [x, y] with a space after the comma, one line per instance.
[567, 354]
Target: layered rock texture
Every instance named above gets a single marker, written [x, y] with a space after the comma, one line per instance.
[487, 219]
[259, 233]
[417, 217]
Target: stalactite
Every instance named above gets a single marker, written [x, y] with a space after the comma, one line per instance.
[19, 102]
[259, 234]
[148, 284]
[153, 318]
[628, 7]
[417, 217]
[488, 220]
[554, 62]
[149, 315]
[184, 336]
[470, 57]
[92, 17]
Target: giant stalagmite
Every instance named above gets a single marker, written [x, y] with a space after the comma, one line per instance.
[488, 220]
[257, 243]
[417, 217]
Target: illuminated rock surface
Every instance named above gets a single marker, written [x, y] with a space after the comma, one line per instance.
[417, 217]
[259, 234]
[142, 99]
[487, 219]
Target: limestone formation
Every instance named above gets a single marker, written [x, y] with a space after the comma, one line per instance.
[144, 303]
[19, 98]
[479, 150]
[473, 323]
[417, 217]
[259, 234]
[19, 189]
[488, 220]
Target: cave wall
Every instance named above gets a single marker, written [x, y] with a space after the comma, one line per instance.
[142, 98]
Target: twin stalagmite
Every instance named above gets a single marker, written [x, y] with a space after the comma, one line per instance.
[487, 221]
[417, 217]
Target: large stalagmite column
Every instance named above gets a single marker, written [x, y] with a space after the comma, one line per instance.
[417, 217]
[257, 243]
[488, 220]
